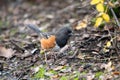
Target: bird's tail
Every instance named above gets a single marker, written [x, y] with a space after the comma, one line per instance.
[37, 30]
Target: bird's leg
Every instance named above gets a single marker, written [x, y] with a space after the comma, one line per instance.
[44, 52]
[45, 58]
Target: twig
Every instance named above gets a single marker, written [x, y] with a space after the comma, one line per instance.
[114, 15]
[70, 7]
[20, 48]
[118, 24]
[75, 53]
[92, 58]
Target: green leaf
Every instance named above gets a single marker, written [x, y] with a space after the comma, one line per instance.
[63, 78]
[98, 74]
[40, 73]
[76, 78]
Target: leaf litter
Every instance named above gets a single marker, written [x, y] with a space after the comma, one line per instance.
[83, 58]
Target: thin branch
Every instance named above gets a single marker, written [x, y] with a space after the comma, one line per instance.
[114, 15]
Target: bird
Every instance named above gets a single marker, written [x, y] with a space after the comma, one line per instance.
[55, 40]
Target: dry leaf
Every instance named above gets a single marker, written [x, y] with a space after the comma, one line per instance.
[111, 4]
[28, 53]
[80, 56]
[55, 76]
[105, 49]
[36, 69]
[90, 76]
[4, 52]
[116, 73]
[82, 24]
[108, 44]
[109, 66]
[58, 68]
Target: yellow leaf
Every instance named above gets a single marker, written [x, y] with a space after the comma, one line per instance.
[108, 44]
[100, 7]
[102, 1]
[98, 21]
[93, 2]
[106, 17]
[105, 49]
[81, 25]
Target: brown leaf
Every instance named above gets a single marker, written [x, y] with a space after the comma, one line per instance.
[82, 24]
[81, 56]
[58, 68]
[109, 67]
[90, 76]
[116, 73]
[55, 76]
[4, 52]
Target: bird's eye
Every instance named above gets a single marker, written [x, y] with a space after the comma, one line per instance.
[69, 31]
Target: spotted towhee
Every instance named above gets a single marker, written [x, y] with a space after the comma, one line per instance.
[56, 40]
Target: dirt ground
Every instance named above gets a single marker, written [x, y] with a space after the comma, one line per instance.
[83, 58]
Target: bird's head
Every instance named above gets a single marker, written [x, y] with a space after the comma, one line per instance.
[62, 36]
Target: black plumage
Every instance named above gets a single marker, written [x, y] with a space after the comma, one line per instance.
[62, 35]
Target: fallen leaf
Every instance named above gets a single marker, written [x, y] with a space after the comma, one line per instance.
[4, 52]
[108, 44]
[109, 67]
[55, 76]
[116, 73]
[105, 49]
[58, 68]
[28, 53]
[80, 56]
[36, 69]
[90, 76]
[83, 23]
